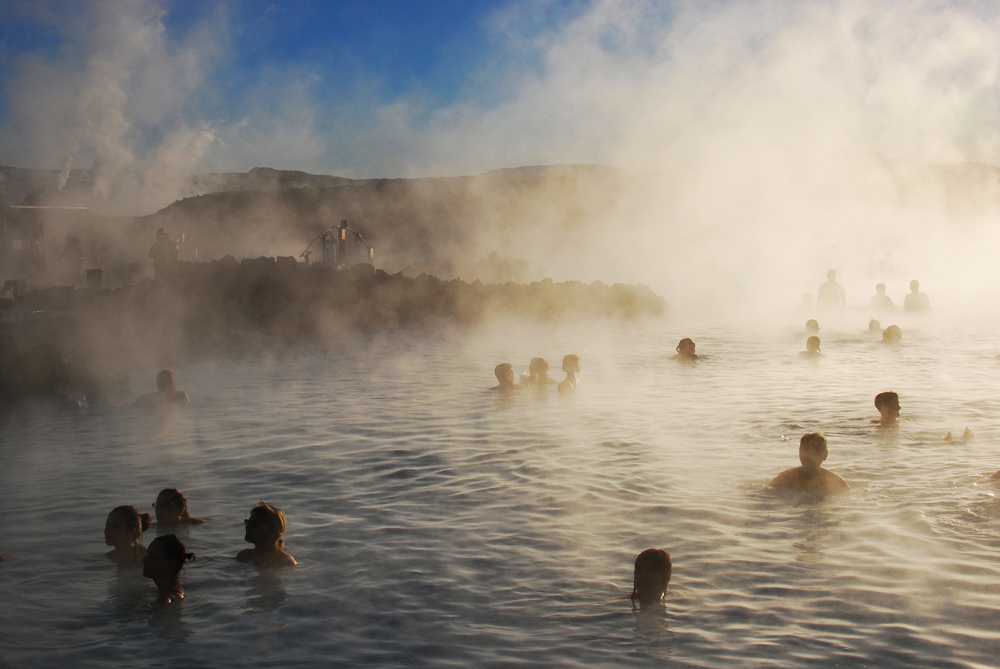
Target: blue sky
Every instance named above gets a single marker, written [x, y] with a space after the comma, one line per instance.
[142, 89]
[256, 57]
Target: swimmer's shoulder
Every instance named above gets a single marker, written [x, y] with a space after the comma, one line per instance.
[834, 483]
[245, 555]
[787, 479]
[180, 397]
[147, 401]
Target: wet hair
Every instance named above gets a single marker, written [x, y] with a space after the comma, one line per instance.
[165, 380]
[814, 441]
[874, 326]
[177, 498]
[812, 340]
[272, 518]
[811, 324]
[571, 360]
[892, 334]
[502, 367]
[132, 519]
[537, 365]
[686, 343]
[883, 399]
[659, 560]
[173, 549]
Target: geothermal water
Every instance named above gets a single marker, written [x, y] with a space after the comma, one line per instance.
[436, 524]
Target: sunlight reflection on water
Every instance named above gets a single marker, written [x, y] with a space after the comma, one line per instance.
[435, 524]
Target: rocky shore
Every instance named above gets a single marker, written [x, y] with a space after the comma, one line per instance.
[68, 336]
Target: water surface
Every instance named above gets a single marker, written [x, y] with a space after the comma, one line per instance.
[436, 524]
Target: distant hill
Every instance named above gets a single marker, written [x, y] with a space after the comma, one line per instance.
[549, 216]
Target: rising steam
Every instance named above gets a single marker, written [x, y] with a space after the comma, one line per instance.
[756, 129]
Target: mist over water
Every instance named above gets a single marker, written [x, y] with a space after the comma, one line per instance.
[753, 146]
[434, 522]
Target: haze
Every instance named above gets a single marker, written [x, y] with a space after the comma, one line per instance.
[755, 131]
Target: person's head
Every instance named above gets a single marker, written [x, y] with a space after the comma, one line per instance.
[812, 325]
[685, 347]
[892, 335]
[652, 574]
[812, 344]
[125, 526]
[914, 286]
[171, 507]
[165, 557]
[887, 404]
[831, 275]
[571, 363]
[880, 288]
[812, 450]
[538, 368]
[874, 327]
[504, 372]
[266, 525]
[166, 381]
[161, 234]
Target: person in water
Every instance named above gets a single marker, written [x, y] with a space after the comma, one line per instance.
[812, 329]
[505, 375]
[172, 509]
[538, 374]
[812, 348]
[916, 301]
[123, 530]
[685, 351]
[887, 404]
[570, 365]
[880, 302]
[874, 328]
[264, 529]
[163, 562]
[166, 393]
[811, 477]
[831, 294]
[653, 569]
[892, 335]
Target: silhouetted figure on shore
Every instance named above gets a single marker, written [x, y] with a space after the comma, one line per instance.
[880, 302]
[164, 254]
[505, 375]
[172, 509]
[123, 530]
[72, 256]
[892, 335]
[166, 393]
[570, 365]
[264, 529]
[812, 348]
[916, 301]
[811, 477]
[887, 404]
[653, 569]
[831, 294]
[163, 562]
[685, 351]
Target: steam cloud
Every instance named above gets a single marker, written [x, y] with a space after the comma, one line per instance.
[757, 119]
